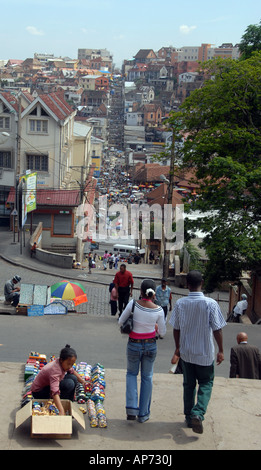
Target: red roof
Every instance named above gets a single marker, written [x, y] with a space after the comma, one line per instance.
[11, 99]
[149, 172]
[160, 194]
[52, 197]
[57, 104]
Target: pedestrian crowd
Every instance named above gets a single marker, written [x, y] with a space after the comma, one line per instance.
[197, 323]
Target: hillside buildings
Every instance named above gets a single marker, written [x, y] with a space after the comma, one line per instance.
[52, 109]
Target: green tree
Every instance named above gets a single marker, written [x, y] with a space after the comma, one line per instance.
[222, 121]
[250, 41]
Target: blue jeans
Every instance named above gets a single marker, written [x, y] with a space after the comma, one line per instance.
[139, 356]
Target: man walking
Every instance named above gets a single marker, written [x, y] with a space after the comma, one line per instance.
[240, 308]
[164, 297]
[194, 319]
[245, 360]
[124, 285]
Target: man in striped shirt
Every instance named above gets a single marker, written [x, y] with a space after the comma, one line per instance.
[195, 319]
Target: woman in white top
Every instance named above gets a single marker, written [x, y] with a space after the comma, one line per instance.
[142, 350]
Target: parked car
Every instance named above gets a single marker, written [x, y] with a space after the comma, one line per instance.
[94, 246]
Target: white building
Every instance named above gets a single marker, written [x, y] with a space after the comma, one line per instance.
[37, 134]
[187, 77]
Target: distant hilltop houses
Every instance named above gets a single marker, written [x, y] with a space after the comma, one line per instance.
[69, 112]
[160, 68]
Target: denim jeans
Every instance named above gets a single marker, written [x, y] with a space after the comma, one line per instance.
[140, 356]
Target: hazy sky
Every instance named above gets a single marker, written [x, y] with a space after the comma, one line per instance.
[123, 27]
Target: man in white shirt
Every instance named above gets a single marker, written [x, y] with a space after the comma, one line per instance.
[195, 319]
[240, 308]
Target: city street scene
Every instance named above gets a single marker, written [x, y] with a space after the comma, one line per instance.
[130, 242]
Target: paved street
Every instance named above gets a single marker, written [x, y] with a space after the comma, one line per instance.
[96, 337]
[92, 330]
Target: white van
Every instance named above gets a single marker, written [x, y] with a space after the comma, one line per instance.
[124, 249]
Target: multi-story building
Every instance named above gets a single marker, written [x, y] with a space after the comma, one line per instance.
[94, 82]
[204, 52]
[145, 56]
[37, 135]
[90, 54]
[227, 51]
[99, 59]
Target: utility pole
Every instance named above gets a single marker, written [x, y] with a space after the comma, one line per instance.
[82, 183]
[18, 161]
[16, 176]
[79, 254]
[166, 258]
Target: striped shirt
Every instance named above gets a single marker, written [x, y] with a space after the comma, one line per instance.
[196, 317]
[144, 320]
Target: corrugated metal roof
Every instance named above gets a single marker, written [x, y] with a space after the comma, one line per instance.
[52, 197]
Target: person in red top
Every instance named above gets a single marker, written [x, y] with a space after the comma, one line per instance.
[58, 379]
[124, 285]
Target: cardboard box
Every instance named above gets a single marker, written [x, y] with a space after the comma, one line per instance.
[51, 427]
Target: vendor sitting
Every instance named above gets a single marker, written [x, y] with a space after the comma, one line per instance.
[58, 379]
[12, 291]
[33, 249]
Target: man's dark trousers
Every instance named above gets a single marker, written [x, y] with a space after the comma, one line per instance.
[123, 299]
[204, 375]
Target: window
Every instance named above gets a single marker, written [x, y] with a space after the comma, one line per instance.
[37, 162]
[43, 112]
[5, 159]
[38, 126]
[4, 122]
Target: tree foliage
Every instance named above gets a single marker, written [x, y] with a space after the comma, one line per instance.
[251, 41]
[222, 124]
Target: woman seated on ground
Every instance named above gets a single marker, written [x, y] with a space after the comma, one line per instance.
[58, 379]
[142, 350]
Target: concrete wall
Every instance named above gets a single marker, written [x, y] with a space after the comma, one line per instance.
[56, 259]
[63, 261]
